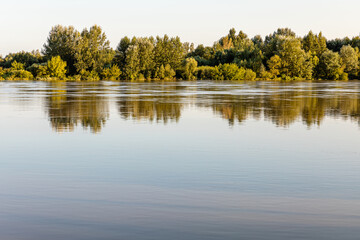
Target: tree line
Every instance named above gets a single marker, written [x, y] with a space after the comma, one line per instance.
[282, 55]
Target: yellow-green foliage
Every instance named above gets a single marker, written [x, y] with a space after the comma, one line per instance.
[249, 75]
[165, 73]
[189, 68]
[274, 64]
[17, 66]
[206, 73]
[111, 74]
[330, 66]
[56, 67]
[350, 59]
[1, 73]
[90, 76]
[229, 72]
[42, 71]
[225, 72]
[16, 72]
[233, 72]
[282, 55]
[18, 75]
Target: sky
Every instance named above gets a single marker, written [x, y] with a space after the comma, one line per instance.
[26, 24]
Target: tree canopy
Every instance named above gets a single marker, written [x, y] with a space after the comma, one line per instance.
[86, 55]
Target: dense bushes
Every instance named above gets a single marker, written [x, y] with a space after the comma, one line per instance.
[112, 73]
[16, 72]
[69, 54]
[18, 75]
[225, 72]
[206, 73]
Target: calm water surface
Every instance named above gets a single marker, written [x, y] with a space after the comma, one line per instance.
[187, 160]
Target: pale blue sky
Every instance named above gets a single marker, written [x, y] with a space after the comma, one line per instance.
[26, 24]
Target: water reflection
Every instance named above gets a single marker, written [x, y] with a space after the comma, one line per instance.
[161, 103]
[280, 103]
[194, 178]
[284, 104]
[69, 105]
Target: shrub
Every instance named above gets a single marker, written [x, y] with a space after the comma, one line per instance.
[56, 67]
[90, 76]
[249, 75]
[18, 75]
[17, 66]
[189, 69]
[230, 72]
[206, 73]
[165, 73]
[111, 74]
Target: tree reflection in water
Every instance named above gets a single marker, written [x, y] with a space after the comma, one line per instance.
[87, 104]
[160, 103]
[284, 107]
[69, 105]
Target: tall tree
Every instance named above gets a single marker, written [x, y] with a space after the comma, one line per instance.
[93, 51]
[121, 49]
[350, 60]
[295, 63]
[63, 41]
[189, 68]
[316, 44]
[330, 66]
[132, 66]
[168, 51]
[26, 58]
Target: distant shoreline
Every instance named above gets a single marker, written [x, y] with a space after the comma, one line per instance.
[71, 55]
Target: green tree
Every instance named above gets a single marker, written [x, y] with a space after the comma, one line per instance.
[19, 75]
[230, 72]
[168, 51]
[17, 66]
[272, 40]
[169, 72]
[330, 66]
[207, 73]
[316, 44]
[146, 56]
[17, 72]
[336, 44]
[38, 70]
[258, 41]
[120, 52]
[165, 72]
[64, 42]
[136, 57]
[274, 65]
[189, 68]
[295, 63]
[203, 55]
[113, 73]
[350, 59]
[132, 66]
[249, 75]
[56, 67]
[93, 51]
